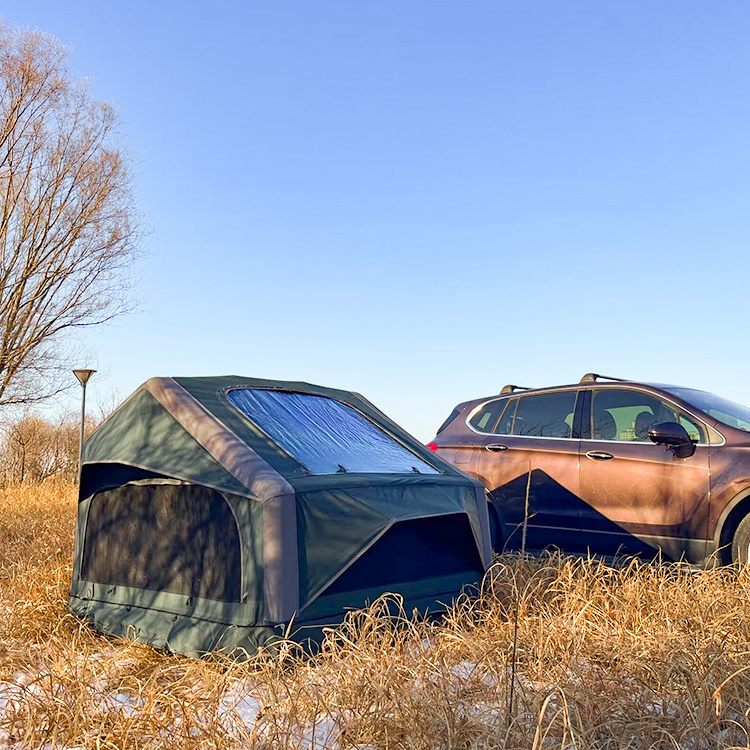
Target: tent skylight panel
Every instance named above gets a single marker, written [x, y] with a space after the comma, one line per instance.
[326, 436]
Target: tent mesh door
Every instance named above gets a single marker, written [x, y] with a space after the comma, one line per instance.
[164, 537]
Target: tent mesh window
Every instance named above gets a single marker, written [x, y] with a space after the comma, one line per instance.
[414, 550]
[325, 435]
[164, 537]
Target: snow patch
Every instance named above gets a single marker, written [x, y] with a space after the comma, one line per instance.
[323, 735]
[239, 704]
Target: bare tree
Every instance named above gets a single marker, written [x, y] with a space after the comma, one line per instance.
[68, 226]
[33, 449]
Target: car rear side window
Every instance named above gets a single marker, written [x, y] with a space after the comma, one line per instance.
[487, 417]
[505, 425]
[546, 415]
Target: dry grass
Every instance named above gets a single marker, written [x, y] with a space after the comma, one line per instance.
[634, 657]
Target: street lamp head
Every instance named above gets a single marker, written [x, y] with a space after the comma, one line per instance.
[83, 375]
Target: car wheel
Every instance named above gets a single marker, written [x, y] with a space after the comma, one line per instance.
[741, 542]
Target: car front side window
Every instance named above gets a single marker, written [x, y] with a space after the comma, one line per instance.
[696, 432]
[627, 415]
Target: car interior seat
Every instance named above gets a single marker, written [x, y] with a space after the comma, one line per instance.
[559, 429]
[605, 427]
[642, 424]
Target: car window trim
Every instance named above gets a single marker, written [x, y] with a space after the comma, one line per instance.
[584, 399]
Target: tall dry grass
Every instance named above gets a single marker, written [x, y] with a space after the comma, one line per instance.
[640, 656]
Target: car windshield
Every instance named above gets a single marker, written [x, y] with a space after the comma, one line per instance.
[725, 411]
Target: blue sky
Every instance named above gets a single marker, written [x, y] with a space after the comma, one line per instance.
[423, 200]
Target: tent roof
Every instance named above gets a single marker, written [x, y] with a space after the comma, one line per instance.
[187, 428]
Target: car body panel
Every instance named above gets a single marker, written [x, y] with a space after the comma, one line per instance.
[549, 469]
[611, 495]
[643, 493]
[729, 482]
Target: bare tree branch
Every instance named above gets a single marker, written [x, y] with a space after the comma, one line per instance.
[68, 225]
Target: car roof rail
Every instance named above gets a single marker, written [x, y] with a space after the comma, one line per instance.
[512, 388]
[592, 377]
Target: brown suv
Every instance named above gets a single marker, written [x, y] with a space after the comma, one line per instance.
[610, 466]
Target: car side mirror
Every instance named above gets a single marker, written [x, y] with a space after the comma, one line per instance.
[674, 436]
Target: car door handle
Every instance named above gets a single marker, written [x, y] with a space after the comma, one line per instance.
[496, 447]
[599, 455]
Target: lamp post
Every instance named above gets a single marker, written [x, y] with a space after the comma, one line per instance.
[83, 377]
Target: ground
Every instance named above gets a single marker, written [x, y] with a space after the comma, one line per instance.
[636, 656]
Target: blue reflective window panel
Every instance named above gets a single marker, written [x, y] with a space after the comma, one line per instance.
[326, 435]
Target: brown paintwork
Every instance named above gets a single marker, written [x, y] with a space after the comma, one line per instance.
[730, 474]
[644, 486]
[644, 492]
[648, 491]
[558, 459]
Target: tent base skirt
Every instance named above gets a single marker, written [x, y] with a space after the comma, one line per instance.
[197, 637]
[179, 634]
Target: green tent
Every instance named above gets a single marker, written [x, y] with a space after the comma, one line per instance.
[222, 512]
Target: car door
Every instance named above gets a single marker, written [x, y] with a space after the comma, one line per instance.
[533, 450]
[638, 497]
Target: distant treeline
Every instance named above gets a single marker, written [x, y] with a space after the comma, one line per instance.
[34, 449]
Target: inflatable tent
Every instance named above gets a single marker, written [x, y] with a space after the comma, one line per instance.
[223, 512]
